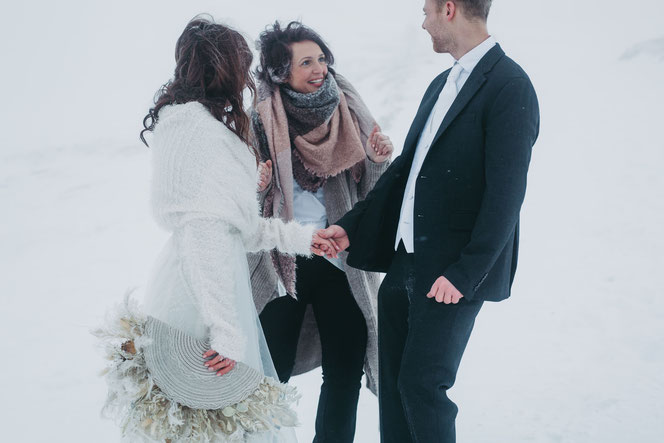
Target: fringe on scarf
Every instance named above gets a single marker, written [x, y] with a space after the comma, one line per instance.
[145, 413]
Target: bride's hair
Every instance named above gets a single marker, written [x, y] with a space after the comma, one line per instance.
[212, 68]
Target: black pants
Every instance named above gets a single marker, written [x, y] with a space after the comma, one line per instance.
[343, 336]
[420, 344]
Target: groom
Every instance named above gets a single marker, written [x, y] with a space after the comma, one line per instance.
[443, 220]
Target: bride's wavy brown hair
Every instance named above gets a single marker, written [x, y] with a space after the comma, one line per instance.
[212, 68]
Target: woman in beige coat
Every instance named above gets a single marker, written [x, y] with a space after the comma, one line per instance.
[322, 152]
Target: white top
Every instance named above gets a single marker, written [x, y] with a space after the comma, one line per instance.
[203, 191]
[309, 209]
[457, 78]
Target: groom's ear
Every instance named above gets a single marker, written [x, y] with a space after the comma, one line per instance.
[448, 8]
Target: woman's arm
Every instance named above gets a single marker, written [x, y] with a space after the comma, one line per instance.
[204, 246]
[287, 237]
[378, 148]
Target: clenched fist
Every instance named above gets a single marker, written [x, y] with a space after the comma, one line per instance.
[444, 292]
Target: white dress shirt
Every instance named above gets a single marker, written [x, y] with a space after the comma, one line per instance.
[457, 78]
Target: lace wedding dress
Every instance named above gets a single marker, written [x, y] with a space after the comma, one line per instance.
[204, 193]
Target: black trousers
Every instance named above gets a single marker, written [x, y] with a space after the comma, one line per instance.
[420, 344]
[343, 336]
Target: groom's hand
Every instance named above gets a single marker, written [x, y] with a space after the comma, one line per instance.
[322, 246]
[337, 236]
[444, 292]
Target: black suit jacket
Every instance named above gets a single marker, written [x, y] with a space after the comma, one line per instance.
[469, 191]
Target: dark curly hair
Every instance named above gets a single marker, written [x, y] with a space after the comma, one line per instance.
[275, 53]
[213, 65]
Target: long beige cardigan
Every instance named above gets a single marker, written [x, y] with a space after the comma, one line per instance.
[341, 194]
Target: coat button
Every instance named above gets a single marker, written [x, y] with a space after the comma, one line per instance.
[420, 216]
[423, 176]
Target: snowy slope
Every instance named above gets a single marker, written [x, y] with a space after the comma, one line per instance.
[574, 356]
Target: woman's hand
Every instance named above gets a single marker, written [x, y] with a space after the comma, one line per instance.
[264, 175]
[218, 363]
[337, 236]
[323, 246]
[379, 146]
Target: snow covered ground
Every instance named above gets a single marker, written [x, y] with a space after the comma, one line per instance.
[576, 355]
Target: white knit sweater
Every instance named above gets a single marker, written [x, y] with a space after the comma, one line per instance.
[204, 191]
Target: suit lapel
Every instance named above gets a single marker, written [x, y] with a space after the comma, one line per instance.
[470, 88]
[422, 116]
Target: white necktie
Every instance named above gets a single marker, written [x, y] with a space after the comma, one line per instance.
[447, 95]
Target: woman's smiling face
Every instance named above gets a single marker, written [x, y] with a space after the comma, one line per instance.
[308, 67]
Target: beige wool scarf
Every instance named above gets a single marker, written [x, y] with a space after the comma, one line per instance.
[309, 138]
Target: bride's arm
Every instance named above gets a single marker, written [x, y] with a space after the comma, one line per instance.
[207, 269]
[270, 233]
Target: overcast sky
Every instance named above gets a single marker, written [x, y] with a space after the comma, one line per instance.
[78, 71]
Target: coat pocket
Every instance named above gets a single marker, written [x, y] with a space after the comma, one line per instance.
[462, 220]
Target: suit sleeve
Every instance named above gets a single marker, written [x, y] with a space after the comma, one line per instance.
[351, 221]
[511, 130]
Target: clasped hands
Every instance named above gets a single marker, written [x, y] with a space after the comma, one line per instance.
[329, 241]
[334, 239]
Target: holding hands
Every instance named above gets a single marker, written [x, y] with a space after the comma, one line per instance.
[333, 240]
[323, 246]
[379, 146]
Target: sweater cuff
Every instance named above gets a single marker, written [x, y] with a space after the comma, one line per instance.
[302, 236]
[372, 173]
[226, 345]
[375, 170]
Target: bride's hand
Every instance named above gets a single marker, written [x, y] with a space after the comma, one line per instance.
[323, 246]
[218, 363]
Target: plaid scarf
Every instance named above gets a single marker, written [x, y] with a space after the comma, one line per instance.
[309, 138]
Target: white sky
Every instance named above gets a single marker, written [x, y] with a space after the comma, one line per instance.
[78, 72]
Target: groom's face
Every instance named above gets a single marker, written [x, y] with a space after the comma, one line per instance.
[437, 25]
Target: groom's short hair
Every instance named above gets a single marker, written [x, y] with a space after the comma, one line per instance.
[473, 9]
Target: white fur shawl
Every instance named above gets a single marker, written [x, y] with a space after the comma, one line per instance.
[204, 190]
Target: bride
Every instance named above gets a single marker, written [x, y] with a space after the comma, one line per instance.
[204, 192]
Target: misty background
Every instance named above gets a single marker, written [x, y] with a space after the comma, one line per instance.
[576, 355]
